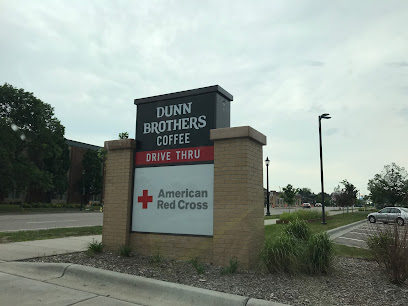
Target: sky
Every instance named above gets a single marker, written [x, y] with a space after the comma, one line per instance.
[285, 62]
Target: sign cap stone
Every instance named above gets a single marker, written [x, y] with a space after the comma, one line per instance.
[238, 132]
[186, 93]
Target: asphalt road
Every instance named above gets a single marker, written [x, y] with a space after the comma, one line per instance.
[12, 223]
[357, 237]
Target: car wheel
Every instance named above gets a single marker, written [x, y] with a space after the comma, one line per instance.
[400, 221]
[371, 219]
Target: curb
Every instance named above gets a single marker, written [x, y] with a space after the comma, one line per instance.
[339, 231]
[125, 287]
[37, 271]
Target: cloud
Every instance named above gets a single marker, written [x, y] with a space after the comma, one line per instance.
[404, 112]
[285, 63]
[331, 132]
[315, 63]
[399, 64]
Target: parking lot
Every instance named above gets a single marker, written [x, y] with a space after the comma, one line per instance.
[358, 235]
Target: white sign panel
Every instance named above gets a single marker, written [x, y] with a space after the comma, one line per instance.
[161, 205]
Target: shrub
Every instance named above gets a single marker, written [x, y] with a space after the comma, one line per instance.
[199, 267]
[9, 208]
[42, 205]
[282, 254]
[232, 268]
[94, 247]
[319, 253]
[389, 247]
[36, 205]
[297, 250]
[367, 209]
[66, 205]
[156, 258]
[301, 215]
[298, 229]
[125, 251]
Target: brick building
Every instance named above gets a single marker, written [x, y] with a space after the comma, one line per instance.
[73, 194]
[276, 199]
[77, 151]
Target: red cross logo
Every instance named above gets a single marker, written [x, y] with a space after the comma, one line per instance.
[145, 199]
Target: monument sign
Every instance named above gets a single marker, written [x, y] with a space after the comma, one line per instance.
[174, 161]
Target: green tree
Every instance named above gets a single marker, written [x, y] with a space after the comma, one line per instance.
[92, 165]
[307, 195]
[289, 194]
[124, 135]
[37, 157]
[327, 198]
[346, 196]
[390, 187]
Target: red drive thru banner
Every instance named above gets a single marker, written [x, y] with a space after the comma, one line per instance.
[175, 156]
[174, 160]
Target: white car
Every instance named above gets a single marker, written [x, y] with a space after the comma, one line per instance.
[390, 214]
[318, 205]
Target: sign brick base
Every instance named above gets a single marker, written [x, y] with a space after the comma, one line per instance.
[238, 203]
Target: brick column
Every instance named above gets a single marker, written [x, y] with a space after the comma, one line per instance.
[238, 195]
[118, 192]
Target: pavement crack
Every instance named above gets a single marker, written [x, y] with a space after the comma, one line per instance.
[63, 273]
[83, 300]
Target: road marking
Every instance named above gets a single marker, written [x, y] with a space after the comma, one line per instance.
[351, 239]
[42, 222]
[358, 233]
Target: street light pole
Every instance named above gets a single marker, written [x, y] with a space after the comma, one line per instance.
[267, 186]
[323, 116]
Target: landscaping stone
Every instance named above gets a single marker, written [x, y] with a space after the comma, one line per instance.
[352, 281]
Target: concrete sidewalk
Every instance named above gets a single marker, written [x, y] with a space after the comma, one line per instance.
[69, 284]
[270, 221]
[38, 248]
[26, 283]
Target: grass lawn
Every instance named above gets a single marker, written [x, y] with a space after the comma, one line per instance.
[272, 217]
[347, 251]
[275, 230]
[337, 221]
[49, 234]
[15, 209]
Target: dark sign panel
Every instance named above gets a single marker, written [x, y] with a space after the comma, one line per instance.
[175, 128]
